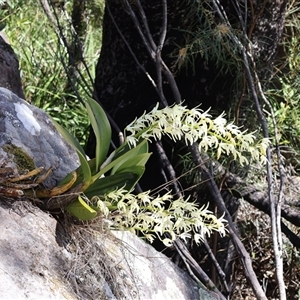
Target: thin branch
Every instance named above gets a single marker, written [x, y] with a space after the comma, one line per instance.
[168, 166]
[152, 52]
[160, 47]
[47, 10]
[260, 200]
[275, 213]
[130, 49]
[188, 259]
[172, 82]
[162, 97]
[221, 274]
[137, 24]
[217, 197]
[146, 25]
[164, 25]
[155, 49]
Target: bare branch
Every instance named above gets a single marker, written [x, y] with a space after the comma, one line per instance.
[168, 166]
[145, 23]
[48, 12]
[274, 207]
[189, 260]
[217, 197]
[164, 25]
[152, 52]
[221, 274]
[138, 26]
[158, 87]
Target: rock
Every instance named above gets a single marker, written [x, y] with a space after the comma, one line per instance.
[9, 68]
[147, 273]
[40, 259]
[32, 265]
[28, 140]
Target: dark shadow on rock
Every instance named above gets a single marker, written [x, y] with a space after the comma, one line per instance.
[9, 69]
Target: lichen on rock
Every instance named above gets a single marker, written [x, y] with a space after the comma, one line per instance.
[28, 140]
[25, 115]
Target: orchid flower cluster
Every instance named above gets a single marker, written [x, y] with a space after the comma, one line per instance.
[149, 216]
[197, 126]
[163, 216]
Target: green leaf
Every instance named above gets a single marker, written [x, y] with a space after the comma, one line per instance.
[68, 137]
[138, 171]
[101, 128]
[128, 154]
[66, 179]
[84, 166]
[141, 147]
[107, 184]
[138, 160]
[122, 158]
[81, 210]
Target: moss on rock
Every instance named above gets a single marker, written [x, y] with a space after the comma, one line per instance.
[23, 161]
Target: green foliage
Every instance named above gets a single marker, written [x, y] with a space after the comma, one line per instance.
[106, 182]
[287, 113]
[45, 63]
[285, 94]
[209, 38]
[82, 210]
[126, 165]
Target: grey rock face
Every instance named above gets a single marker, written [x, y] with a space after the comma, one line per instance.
[32, 265]
[147, 273]
[29, 131]
[41, 260]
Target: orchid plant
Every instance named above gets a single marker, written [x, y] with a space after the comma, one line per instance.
[106, 182]
[122, 168]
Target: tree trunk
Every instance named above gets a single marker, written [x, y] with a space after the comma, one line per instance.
[213, 77]
[124, 89]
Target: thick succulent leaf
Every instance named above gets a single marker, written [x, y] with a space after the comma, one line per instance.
[101, 128]
[67, 179]
[81, 210]
[138, 171]
[138, 160]
[69, 137]
[84, 166]
[119, 161]
[141, 148]
[107, 184]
